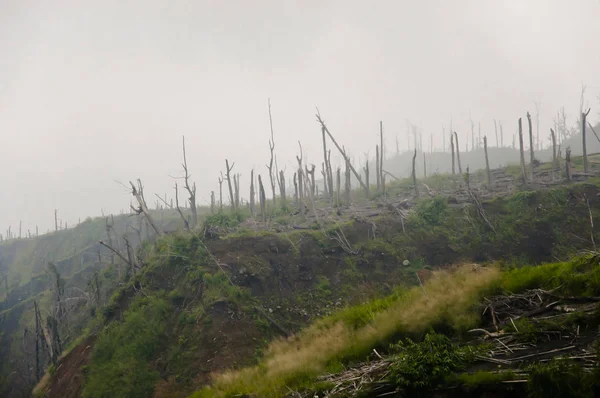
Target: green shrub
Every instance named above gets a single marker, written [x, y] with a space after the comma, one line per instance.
[560, 378]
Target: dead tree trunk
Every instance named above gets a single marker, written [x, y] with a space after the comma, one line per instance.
[138, 193]
[212, 202]
[41, 345]
[452, 148]
[381, 155]
[487, 162]
[583, 124]
[457, 153]
[414, 173]
[496, 131]
[185, 221]
[296, 197]
[338, 185]
[377, 168]
[360, 181]
[531, 156]
[252, 193]
[272, 173]
[109, 228]
[568, 163]
[326, 171]
[424, 166]
[228, 178]
[311, 173]
[347, 184]
[221, 193]
[263, 199]
[55, 220]
[553, 136]
[282, 189]
[236, 185]
[367, 193]
[190, 189]
[501, 135]
[522, 151]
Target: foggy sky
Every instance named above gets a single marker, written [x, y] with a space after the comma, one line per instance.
[93, 92]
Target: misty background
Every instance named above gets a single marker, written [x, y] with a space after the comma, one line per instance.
[94, 92]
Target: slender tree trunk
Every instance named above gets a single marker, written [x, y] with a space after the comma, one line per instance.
[55, 220]
[367, 193]
[531, 156]
[263, 199]
[282, 189]
[424, 166]
[347, 184]
[328, 190]
[414, 173]
[382, 153]
[583, 125]
[501, 135]
[553, 135]
[338, 186]
[452, 148]
[487, 162]
[228, 174]
[377, 168]
[457, 153]
[221, 194]
[296, 197]
[522, 151]
[568, 163]
[252, 193]
[496, 131]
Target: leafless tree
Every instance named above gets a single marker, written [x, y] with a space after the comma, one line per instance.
[252, 192]
[554, 167]
[382, 154]
[457, 153]
[228, 178]
[191, 189]
[583, 125]
[531, 155]
[414, 173]
[522, 151]
[487, 162]
[263, 199]
[138, 193]
[272, 172]
[377, 168]
[452, 148]
[185, 221]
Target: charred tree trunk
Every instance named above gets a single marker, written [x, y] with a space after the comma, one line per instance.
[487, 162]
[531, 155]
[414, 173]
[522, 151]
[338, 185]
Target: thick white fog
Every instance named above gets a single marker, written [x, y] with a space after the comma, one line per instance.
[93, 92]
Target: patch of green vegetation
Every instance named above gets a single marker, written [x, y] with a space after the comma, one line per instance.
[481, 378]
[120, 362]
[225, 219]
[562, 378]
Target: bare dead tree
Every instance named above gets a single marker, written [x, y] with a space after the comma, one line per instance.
[326, 171]
[138, 193]
[252, 193]
[554, 160]
[132, 260]
[185, 221]
[311, 173]
[424, 166]
[300, 176]
[190, 189]
[531, 156]
[263, 200]
[487, 162]
[347, 187]
[501, 135]
[377, 168]
[496, 131]
[282, 188]
[414, 173]
[109, 228]
[338, 186]
[228, 178]
[457, 153]
[452, 148]
[296, 197]
[55, 220]
[346, 159]
[568, 163]
[382, 154]
[366, 168]
[212, 202]
[583, 124]
[522, 151]
[236, 188]
[41, 345]
[272, 173]
[115, 251]
[221, 192]
[325, 178]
